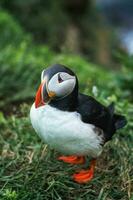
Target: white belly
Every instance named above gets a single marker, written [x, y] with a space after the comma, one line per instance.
[65, 132]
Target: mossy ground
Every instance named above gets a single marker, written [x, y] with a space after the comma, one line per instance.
[30, 169]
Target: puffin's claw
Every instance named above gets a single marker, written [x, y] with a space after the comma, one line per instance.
[73, 159]
[85, 176]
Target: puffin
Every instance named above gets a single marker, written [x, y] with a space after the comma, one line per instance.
[72, 123]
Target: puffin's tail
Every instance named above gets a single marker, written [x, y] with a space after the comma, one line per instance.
[118, 120]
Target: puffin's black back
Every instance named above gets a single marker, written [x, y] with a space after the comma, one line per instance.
[102, 117]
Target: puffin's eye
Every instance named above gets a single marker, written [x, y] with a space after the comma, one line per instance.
[60, 80]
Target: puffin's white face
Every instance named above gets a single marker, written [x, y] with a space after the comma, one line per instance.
[58, 86]
[61, 84]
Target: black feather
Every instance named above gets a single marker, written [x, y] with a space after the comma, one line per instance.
[111, 108]
[119, 121]
[100, 116]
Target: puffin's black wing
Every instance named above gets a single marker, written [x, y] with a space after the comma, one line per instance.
[92, 111]
[97, 114]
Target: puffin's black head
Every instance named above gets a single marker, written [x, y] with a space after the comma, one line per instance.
[59, 87]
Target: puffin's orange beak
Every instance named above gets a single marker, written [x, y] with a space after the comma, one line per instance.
[43, 95]
[38, 99]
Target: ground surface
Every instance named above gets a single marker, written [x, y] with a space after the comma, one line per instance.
[29, 170]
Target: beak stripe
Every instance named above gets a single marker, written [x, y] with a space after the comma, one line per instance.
[38, 99]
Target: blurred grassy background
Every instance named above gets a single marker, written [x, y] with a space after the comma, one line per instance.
[33, 35]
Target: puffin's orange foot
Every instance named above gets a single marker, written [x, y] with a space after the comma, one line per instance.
[83, 176]
[73, 159]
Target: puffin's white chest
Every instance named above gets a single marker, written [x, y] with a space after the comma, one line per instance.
[65, 131]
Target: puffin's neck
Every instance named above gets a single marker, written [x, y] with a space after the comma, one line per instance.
[68, 103]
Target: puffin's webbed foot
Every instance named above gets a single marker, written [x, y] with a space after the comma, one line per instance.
[85, 176]
[73, 159]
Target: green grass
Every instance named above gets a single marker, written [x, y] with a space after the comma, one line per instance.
[21, 62]
[30, 169]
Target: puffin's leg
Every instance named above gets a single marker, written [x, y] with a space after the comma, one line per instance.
[85, 176]
[73, 159]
